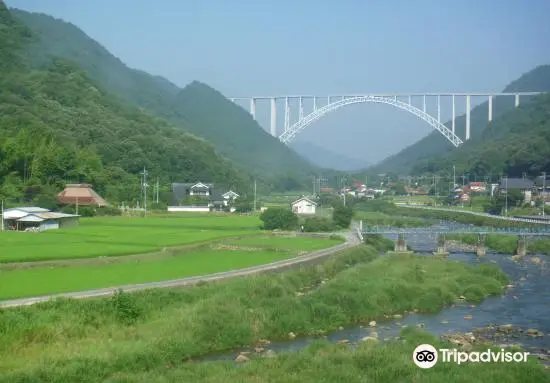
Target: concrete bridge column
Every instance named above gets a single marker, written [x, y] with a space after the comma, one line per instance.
[401, 245]
[480, 247]
[521, 249]
[441, 246]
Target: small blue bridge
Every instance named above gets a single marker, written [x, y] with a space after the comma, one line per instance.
[442, 230]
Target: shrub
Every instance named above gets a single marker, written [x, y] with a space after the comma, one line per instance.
[318, 224]
[279, 218]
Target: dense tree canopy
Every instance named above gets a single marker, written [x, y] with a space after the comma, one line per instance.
[57, 126]
[197, 108]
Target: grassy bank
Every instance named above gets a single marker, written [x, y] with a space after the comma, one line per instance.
[390, 209]
[505, 243]
[372, 218]
[323, 362]
[131, 334]
[218, 257]
[113, 236]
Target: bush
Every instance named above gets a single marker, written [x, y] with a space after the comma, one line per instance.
[279, 218]
[318, 224]
[341, 216]
[108, 211]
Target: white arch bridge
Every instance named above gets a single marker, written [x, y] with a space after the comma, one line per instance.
[402, 101]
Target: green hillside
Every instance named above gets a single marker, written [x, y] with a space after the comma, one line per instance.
[58, 126]
[516, 142]
[435, 145]
[196, 108]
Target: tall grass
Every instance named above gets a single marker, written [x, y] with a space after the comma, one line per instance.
[323, 362]
[85, 341]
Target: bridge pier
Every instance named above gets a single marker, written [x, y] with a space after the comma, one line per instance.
[480, 247]
[521, 248]
[400, 245]
[441, 246]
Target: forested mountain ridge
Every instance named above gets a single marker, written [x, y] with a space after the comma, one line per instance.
[228, 127]
[435, 145]
[517, 142]
[58, 126]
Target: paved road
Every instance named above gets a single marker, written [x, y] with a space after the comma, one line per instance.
[352, 239]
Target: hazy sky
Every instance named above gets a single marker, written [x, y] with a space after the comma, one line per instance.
[322, 47]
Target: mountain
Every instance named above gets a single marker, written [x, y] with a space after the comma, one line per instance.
[197, 108]
[326, 158]
[58, 126]
[435, 145]
[517, 142]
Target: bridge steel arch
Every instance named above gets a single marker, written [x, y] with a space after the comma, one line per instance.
[291, 131]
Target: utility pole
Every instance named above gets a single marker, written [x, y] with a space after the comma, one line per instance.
[2, 215]
[506, 203]
[254, 195]
[144, 173]
[543, 191]
[454, 177]
[157, 191]
[76, 205]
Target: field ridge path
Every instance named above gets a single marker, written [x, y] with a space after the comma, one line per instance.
[351, 240]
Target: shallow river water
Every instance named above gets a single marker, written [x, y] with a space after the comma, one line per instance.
[526, 305]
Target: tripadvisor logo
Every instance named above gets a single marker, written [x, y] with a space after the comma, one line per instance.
[426, 356]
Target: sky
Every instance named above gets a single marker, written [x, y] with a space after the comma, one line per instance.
[321, 47]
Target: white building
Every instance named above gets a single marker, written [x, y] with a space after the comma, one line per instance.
[36, 218]
[303, 206]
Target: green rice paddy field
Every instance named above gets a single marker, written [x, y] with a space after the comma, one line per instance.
[112, 236]
[226, 242]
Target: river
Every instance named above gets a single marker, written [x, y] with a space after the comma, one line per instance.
[525, 305]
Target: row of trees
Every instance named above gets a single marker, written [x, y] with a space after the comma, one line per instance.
[285, 219]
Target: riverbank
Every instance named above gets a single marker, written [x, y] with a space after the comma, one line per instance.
[94, 340]
[323, 362]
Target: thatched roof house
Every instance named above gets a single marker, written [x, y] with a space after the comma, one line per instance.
[81, 194]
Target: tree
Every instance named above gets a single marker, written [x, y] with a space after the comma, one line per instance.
[279, 218]
[342, 215]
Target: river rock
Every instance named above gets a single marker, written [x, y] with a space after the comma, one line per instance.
[372, 323]
[468, 317]
[444, 322]
[343, 341]
[397, 316]
[241, 358]
[340, 328]
[270, 354]
[534, 332]
[374, 334]
[536, 260]
[369, 339]
[259, 350]
[299, 294]
[291, 335]
[420, 325]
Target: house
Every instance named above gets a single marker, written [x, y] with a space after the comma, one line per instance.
[230, 196]
[303, 206]
[199, 197]
[36, 219]
[524, 185]
[80, 194]
[478, 187]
